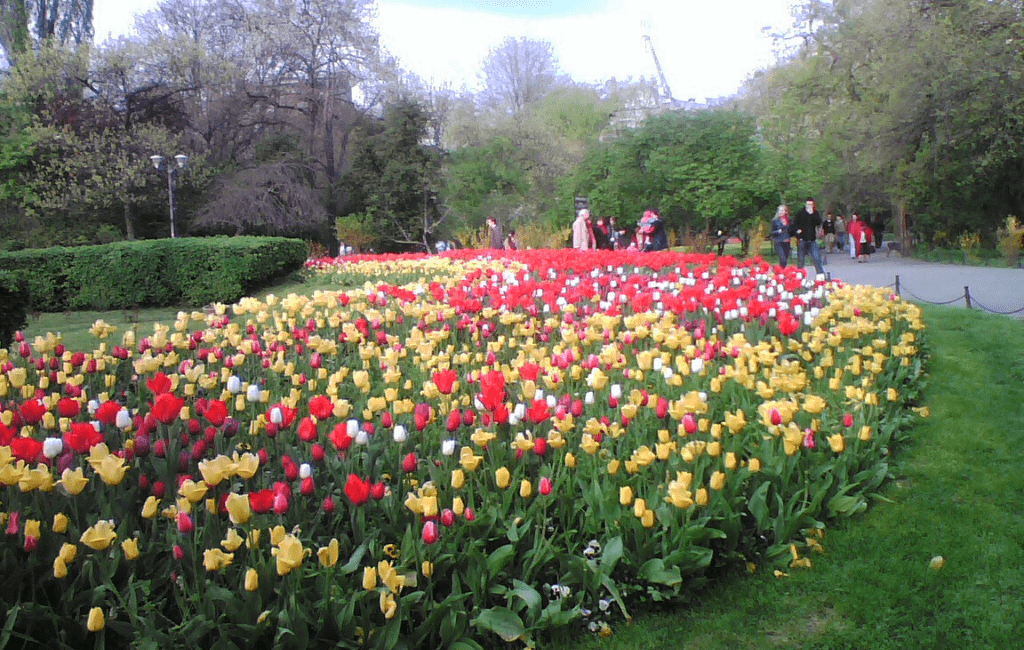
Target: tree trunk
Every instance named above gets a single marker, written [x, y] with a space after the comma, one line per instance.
[129, 221]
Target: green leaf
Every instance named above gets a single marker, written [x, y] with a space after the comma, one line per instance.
[530, 595]
[499, 559]
[758, 506]
[611, 555]
[654, 570]
[354, 561]
[502, 621]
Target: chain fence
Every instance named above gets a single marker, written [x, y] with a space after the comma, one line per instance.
[971, 302]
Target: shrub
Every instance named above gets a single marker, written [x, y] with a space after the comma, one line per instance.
[14, 296]
[1010, 239]
[156, 273]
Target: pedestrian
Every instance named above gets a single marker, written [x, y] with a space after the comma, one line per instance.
[653, 228]
[511, 243]
[497, 239]
[878, 227]
[805, 228]
[602, 235]
[828, 231]
[840, 232]
[863, 237]
[780, 234]
[582, 233]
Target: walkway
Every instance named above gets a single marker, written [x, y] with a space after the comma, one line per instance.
[991, 289]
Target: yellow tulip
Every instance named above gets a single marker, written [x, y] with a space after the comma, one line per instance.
[502, 477]
[216, 470]
[388, 606]
[68, 553]
[60, 523]
[755, 465]
[99, 536]
[525, 488]
[289, 553]
[717, 480]
[703, 497]
[232, 540]
[570, 460]
[865, 433]
[613, 466]
[626, 495]
[639, 507]
[73, 481]
[96, 620]
[329, 554]
[369, 578]
[239, 509]
[648, 519]
[60, 569]
[248, 465]
[731, 461]
[458, 479]
[469, 460]
[150, 507]
[427, 568]
[458, 506]
[130, 548]
[837, 442]
[252, 580]
[277, 534]
[32, 528]
[192, 491]
[252, 540]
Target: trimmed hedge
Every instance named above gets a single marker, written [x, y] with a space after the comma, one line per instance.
[155, 273]
[14, 305]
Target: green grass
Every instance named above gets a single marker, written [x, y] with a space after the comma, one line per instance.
[956, 493]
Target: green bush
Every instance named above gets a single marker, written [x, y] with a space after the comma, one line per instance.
[14, 296]
[155, 273]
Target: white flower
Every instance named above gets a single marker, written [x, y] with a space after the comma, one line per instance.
[276, 416]
[400, 435]
[362, 438]
[616, 391]
[352, 428]
[588, 399]
[234, 384]
[696, 365]
[124, 419]
[305, 471]
[659, 363]
[667, 373]
[519, 411]
[93, 406]
[448, 447]
[52, 447]
[253, 393]
[604, 604]
[551, 401]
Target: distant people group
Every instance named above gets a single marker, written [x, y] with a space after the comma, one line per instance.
[605, 234]
[860, 236]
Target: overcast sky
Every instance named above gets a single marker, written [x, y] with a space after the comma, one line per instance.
[706, 49]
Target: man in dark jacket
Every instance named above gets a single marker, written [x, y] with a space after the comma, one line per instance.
[805, 228]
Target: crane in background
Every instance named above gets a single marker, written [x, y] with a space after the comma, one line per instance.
[663, 88]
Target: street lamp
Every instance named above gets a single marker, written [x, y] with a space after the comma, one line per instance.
[158, 161]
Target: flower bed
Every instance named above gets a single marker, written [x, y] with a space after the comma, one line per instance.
[510, 443]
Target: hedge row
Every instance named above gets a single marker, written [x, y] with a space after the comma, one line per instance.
[14, 304]
[156, 273]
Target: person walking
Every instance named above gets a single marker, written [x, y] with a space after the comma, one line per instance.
[828, 231]
[497, 239]
[805, 228]
[840, 232]
[582, 233]
[780, 234]
[863, 236]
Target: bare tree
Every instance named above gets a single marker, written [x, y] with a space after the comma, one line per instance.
[518, 73]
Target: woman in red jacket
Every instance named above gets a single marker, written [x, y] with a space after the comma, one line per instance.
[862, 236]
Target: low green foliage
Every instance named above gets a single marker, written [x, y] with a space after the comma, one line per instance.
[127, 275]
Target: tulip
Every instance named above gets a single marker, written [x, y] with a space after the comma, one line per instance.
[502, 477]
[400, 434]
[409, 463]
[96, 620]
[252, 580]
[369, 578]
[525, 489]
[431, 533]
[447, 518]
[99, 536]
[546, 486]
[289, 554]
[185, 524]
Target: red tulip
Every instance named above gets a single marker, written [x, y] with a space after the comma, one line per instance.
[318, 452]
[776, 417]
[409, 463]
[690, 424]
[445, 381]
[357, 490]
[321, 407]
[328, 504]
[261, 501]
[308, 486]
[185, 523]
[216, 412]
[159, 384]
[447, 518]
[307, 430]
[431, 533]
[179, 553]
[848, 420]
[540, 446]
[378, 491]
[454, 420]
[68, 408]
[167, 408]
[546, 486]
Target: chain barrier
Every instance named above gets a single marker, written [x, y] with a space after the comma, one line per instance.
[970, 301]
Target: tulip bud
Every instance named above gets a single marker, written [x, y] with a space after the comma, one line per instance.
[409, 463]
[400, 435]
[431, 533]
[546, 486]
[328, 504]
[447, 518]
[179, 552]
[308, 486]
[185, 523]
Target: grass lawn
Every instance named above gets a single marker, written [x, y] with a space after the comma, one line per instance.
[956, 494]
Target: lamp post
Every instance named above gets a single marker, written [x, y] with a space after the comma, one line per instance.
[158, 162]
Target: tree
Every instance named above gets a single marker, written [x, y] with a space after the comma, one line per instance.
[27, 24]
[394, 179]
[518, 73]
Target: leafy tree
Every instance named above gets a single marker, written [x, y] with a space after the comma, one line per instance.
[394, 179]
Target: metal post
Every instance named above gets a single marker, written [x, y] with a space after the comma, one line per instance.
[170, 195]
[967, 296]
[897, 285]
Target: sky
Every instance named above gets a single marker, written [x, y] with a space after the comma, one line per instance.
[706, 48]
